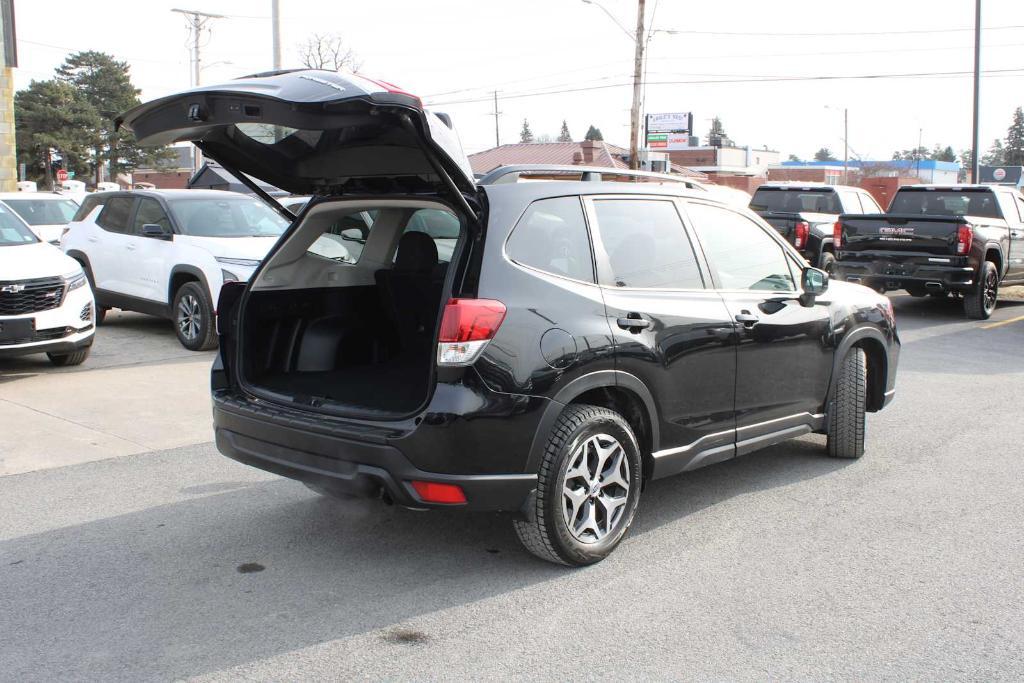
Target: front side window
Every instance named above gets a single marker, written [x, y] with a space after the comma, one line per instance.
[742, 253]
[115, 214]
[646, 244]
[44, 211]
[150, 213]
[552, 237]
[226, 217]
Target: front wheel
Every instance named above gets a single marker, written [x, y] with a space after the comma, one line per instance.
[846, 414]
[193, 318]
[65, 359]
[588, 488]
[980, 303]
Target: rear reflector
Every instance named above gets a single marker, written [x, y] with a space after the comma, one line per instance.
[466, 327]
[433, 492]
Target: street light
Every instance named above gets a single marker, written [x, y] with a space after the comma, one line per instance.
[846, 144]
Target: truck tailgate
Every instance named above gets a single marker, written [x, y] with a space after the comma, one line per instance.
[892, 232]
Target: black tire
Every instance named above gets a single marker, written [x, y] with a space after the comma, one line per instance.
[192, 314]
[827, 262]
[917, 292]
[981, 301]
[846, 414]
[579, 431]
[74, 358]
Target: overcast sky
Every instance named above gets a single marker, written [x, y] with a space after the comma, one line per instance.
[451, 51]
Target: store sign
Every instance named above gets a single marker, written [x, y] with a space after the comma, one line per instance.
[668, 141]
[679, 122]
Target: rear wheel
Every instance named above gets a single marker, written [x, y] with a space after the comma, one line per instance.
[193, 318]
[827, 262]
[981, 301]
[588, 488]
[74, 358]
[846, 414]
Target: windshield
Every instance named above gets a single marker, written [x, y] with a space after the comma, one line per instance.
[227, 217]
[44, 211]
[796, 200]
[946, 203]
[12, 231]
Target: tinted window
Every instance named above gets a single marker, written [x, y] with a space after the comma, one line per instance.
[12, 231]
[232, 216]
[646, 245]
[44, 211]
[87, 206]
[946, 203]
[150, 213]
[552, 237]
[115, 214]
[740, 251]
[795, 200]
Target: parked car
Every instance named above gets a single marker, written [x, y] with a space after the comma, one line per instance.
[168, 253]
[46, 213]
[580, 339]
[806, 214]
[46, 305]
[939, 239]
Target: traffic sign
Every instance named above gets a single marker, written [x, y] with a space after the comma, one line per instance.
[62, 175]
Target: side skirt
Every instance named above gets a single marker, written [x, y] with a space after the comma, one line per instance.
[108, 299]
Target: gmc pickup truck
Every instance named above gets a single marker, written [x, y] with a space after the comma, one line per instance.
[805, 214]
[963, 240]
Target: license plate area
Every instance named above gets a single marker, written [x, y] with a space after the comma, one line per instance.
[18, 329]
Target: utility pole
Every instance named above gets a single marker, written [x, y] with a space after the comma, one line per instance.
[638, 70]
[496, 114]
[846, 146]
[977, 91]
[917, 154]
[196, 23]
[275, 21]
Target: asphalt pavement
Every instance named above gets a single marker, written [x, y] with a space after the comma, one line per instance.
[784, 564]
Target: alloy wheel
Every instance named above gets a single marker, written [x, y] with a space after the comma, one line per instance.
[595, 489]
[991, 290]
[190, 317]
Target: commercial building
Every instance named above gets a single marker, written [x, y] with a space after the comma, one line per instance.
[832, 172]
[585, 153]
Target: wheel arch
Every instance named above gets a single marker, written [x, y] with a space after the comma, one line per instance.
[872, 341]
[994, 253]
[181, 274]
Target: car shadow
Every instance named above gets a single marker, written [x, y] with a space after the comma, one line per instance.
[925, 312]
[251, 570]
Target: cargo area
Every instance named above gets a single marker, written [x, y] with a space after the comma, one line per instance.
[344, 317]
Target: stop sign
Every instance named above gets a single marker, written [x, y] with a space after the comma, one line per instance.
[62, 175]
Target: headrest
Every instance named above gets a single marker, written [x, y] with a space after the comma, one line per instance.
[416, 251]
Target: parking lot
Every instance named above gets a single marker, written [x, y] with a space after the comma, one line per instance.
[132, 550]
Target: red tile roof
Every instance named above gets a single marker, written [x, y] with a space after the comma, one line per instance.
[564, 153]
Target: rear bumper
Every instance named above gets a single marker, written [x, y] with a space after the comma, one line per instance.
[946, 274]
[370, 468]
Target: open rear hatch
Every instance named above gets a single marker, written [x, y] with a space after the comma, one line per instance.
[343, 314]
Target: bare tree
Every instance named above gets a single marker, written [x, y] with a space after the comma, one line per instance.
[328, 51]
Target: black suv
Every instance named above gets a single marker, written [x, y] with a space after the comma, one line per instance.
[542, 349]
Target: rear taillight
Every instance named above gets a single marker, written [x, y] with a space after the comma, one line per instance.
[801, 232]
[392, 88]
[466, 327]
[964, 237]
[837, 235]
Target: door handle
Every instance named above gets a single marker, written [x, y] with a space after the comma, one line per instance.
[747, 318]
[130, 247]
[633, 324]
[94, 239]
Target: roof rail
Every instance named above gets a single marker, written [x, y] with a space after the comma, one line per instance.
[594, 174]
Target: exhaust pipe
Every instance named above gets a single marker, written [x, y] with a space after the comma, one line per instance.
[934, 286]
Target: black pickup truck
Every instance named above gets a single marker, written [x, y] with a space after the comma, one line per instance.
[805, 214]
[963, 240]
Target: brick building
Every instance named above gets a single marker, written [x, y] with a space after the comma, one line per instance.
[742, 168]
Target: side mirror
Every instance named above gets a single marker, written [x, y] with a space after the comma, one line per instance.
[814, 283]
[156, 231]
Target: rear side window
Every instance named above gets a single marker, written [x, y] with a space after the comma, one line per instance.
[552, 237]
[115, 214]
[850, 201]
[87, 206]
[441, 226]
[946, 203]
[344, 239]
[646, 244]
[742, 253]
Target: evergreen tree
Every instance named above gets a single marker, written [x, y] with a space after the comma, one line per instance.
[593, 134]
[1014, 154]
[104, 83]
[53, 115]
[995, 154]
[717, 128]
[526, 135]
[793, 157]
[564, 135]
[943, 154]
[824, 154]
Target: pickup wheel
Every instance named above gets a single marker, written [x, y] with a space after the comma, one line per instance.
[588, 488]
[980, 302]
[846, 414]
[193, 318]
[827, 262]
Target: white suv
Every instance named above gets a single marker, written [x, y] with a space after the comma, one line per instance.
[168, 252]
[45, 302]
[45, 212]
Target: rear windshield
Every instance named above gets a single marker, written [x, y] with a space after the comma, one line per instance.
[946, 203]
[44, 211]
[787, 200]
[227, 217]
[12, 231]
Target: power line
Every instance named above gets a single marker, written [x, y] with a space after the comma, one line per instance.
[772, 34]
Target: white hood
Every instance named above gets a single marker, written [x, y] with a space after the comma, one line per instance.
[254, 248]
[29, 261]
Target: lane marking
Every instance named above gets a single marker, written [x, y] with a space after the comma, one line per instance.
[990, 326]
